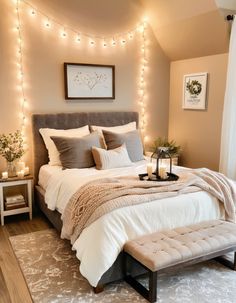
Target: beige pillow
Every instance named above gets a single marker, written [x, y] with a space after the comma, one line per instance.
[53, 153]
[120, 129]
[114, 158]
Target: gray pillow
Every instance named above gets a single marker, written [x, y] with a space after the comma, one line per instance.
[131, 139]
[77, 152]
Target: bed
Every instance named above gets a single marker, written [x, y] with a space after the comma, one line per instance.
[195, 207]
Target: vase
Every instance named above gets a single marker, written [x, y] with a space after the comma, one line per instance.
[11, 169]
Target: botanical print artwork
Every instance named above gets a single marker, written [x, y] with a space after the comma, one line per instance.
[194, 92]
[91, 79]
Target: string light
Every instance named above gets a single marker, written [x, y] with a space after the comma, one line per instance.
[113, 42]
[142, 101]
[64, 34]
[47, 24]
[33, 13]
[53, 22]
[20, 72]
[92, 41]
[78, 39]
[104, 43]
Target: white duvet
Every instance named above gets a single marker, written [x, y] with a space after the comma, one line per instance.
[100, 243]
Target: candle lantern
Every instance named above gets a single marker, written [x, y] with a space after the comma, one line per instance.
[164, 165]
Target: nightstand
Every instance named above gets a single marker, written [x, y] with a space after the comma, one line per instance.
[12, 189]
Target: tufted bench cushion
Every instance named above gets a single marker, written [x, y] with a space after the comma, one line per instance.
[170, 248]
[163, 249]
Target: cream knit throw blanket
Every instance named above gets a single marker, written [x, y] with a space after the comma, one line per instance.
[102, 196]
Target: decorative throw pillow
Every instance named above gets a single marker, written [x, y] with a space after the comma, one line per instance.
[120, 129]
[77, 152]
[132, 141]
[53, 153]
[106, 159]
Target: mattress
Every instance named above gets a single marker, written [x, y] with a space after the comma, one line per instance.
[101, 242]
[45, 173]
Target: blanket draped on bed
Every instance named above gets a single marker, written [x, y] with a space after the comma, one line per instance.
[102, 196]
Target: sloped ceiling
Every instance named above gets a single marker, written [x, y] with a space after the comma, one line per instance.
[103, 17]
[188, 29]
[183, 28]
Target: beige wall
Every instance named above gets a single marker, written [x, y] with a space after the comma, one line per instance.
[44, 53]
[188, 28]
[198, 132]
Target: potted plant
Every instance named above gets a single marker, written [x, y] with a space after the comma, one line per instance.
[12, 149]
[173, 149]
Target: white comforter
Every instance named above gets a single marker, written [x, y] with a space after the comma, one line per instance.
[99, 244]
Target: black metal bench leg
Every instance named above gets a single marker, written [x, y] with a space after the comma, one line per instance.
[227, 263]
[152, 286]
[151, 293]
[234, 267]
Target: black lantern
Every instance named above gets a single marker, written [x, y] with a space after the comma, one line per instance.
[164, 165]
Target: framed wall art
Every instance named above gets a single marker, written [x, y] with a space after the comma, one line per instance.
[89, 81]
[194, 91]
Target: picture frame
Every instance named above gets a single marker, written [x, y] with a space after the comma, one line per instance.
[194, 91]
[89, 81]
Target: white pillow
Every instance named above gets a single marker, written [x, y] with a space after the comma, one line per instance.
[46, 133]
[113, 158]
[120, 129]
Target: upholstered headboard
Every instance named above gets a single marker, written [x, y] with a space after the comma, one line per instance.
[71, 120]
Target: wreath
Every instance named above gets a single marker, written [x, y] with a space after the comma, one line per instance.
[194, 87]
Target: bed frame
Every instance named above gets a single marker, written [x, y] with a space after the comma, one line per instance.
[67, 121]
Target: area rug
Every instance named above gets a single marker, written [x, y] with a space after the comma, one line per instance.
[51, 271]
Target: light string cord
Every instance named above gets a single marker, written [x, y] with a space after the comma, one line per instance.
[21, 72]
[78, 32]
[142, 81]
[142, 86]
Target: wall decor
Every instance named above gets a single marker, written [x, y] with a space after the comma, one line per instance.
[77, 39]
[89, 81]
[194, 91]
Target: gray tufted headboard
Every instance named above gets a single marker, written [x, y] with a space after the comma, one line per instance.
[71, 120]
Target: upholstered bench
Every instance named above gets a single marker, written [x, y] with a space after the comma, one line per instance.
[179, 247]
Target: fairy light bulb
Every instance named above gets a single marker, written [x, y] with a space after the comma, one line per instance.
[33, 13]
[104, 43]
[47, 24]
[113, 42]
[78, 38]
[141, 28]
[123, 41]
[64, 34]
[131, 36]
[92, 43]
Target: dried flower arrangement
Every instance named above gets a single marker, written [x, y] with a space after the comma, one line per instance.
[11, 146]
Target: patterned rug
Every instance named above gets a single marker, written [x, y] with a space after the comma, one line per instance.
[52, 274]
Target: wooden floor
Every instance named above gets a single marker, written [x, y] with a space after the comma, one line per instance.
[13, 288]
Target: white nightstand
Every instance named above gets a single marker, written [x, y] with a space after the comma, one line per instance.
[14, 186]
